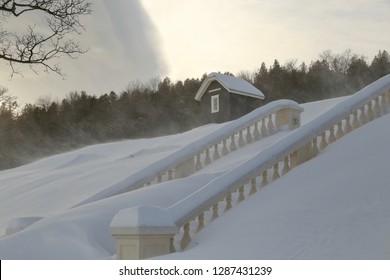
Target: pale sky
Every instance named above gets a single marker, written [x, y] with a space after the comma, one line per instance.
[142, 39]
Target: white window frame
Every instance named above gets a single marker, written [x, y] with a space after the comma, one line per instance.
[215, 103]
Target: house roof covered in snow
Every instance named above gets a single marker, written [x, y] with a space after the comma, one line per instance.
[231, 84]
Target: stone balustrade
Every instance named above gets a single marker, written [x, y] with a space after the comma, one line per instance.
[191, 214]
[302, 145]
[260, 123]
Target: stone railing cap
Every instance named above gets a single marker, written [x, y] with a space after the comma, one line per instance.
[143, 220]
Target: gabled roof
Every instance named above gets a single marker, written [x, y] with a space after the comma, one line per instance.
[231, 84]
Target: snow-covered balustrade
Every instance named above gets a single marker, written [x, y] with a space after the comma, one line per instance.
[260, 123]
[265, 121]
[195, 211]
[268, 165]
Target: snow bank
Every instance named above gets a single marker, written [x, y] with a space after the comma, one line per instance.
[18, 224]
[47, 188]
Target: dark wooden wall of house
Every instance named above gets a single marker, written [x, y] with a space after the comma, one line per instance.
[241, 105]
[231, 106]
[224, 108]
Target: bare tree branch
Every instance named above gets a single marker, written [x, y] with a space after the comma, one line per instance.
[35, 47]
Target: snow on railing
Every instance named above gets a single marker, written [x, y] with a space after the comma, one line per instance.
[299, 146]
[193, 212]
[260, 123]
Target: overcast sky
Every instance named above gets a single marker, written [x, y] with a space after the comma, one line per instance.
[142, 39]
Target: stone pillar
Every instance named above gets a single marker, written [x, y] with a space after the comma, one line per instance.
[143, 232]
[289, 118]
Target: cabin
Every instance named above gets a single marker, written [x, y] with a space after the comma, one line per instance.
[225, 98]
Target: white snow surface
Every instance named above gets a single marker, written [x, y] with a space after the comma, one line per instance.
[332, 207]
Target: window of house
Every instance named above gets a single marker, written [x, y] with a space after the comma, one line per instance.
[215, 104]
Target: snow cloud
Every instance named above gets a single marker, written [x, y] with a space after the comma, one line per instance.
[137, 37]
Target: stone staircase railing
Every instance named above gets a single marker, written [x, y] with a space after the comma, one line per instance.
[144, 232]
[260, 123]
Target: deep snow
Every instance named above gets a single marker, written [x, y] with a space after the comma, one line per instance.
[331, 207]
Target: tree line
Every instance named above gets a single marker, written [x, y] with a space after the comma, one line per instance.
[162, 107]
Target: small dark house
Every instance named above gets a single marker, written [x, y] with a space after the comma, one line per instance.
[224, 98]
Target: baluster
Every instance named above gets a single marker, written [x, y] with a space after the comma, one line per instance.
[294, 160]
[241, 195]
[386, 102]
[270, 125]
[200, 222]
[264, 178]
[241, 142]
[355, 122]
[233, 145]
[286, 166]
[370, 112]
[377, 109]
[170, 175]
[348, 127]
[363, 117]
[186, 239]
[198, 165]
[339, 132]
[387, 98]
[207, 159]
[256, 132]
[253, 186]
[228, 200]
[214, 210]
[216, 152]
[383, 104]
[316, 151]
[248, 138]
[276, 172]
[225, 150]
[323, 142]
[331, 138]
[263, 128]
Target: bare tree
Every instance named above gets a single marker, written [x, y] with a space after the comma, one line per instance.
[37, 44]
[7, 102]
[246, 75]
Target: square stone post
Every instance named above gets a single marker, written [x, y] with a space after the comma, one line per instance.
[289, 118]
[143, 232]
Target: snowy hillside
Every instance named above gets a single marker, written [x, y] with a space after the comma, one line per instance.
[331, 207]
[336, 206]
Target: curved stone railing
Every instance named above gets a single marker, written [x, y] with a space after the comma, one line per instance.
[260, 123]
[192, 213]
[299, 146]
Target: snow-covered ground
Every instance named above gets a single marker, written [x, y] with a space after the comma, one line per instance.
[336, 206]
[331, 207]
